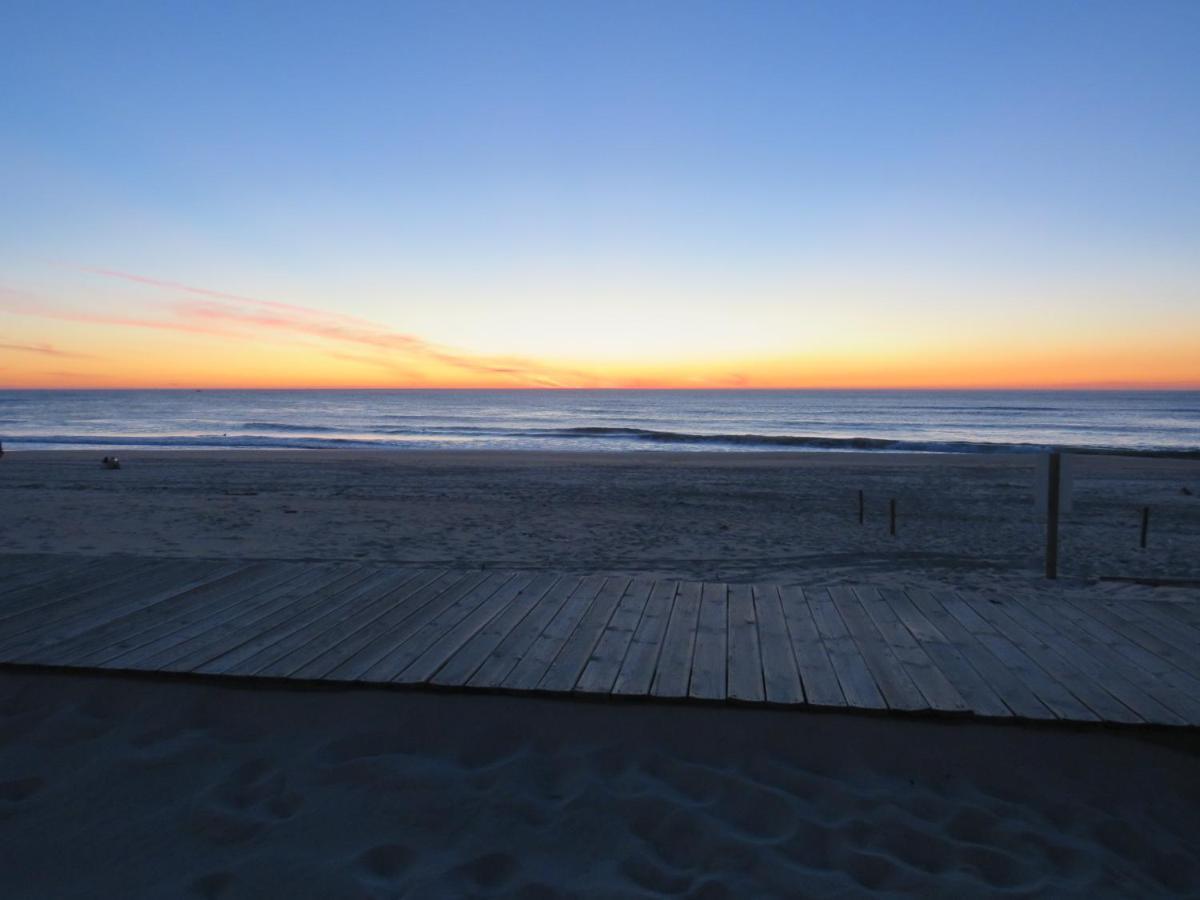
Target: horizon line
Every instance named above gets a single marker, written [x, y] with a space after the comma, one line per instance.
[1163, 386]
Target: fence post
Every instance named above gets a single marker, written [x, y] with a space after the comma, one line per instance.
[1145, 524]
[892, 524]
[860, 507]
[1052, 491]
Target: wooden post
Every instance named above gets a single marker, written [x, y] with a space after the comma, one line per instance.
[1145, 524]
[1052, 483]
[860, 507]
[892, 523]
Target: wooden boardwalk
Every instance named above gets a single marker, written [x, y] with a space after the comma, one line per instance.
[880, 649]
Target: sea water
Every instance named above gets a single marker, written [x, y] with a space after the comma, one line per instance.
[1152, 422]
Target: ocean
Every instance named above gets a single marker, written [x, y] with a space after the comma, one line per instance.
[1143, 422]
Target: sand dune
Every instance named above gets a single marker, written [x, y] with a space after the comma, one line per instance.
[116, 787]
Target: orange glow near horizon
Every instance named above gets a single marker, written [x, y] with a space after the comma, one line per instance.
[212, 363]
[192, 337]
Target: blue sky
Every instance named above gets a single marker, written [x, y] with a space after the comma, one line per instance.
[506, 177]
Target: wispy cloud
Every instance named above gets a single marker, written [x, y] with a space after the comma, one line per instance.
[203, 292]
[42, 350]
[27, 304]
[226, 314]
[388, 363]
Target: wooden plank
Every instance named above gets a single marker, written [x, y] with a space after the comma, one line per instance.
[465, 661]
[1185, 611]
[641, 658]
[1173, 615]
[949, 654]
[346, 654]
[818, 678]
[15, 564]
[781, 678]
[40, 604]
[888, 673]
[43, 574]
[1169, 642]
[674, 670]
[501, 661]
[744, 665]
[54, 589]
[322, 635]
[78, 571]
[935, 687]
[600, 673]
[853, 674]
[224, 645]
[144, 626]
[414, 644]
[1057, 665]
[1177, 688]
[1110, 660]
[378, 589]
[1057, 698]
[394, 631]
[891, 677]
[34, 603]
[253, 655]
[452, 639]
[403, 643]
[1179, 640]
[712, 635]
[529, 671]
[1130, 684]
[1015, 692]
[568, 664]
[208, 640]
[69, 620]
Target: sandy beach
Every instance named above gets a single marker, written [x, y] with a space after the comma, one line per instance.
[142, 787]
[116, 787]
[966, 519]
[531, 450]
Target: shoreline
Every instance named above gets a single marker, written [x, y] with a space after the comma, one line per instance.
[715, 444]
[640, 454]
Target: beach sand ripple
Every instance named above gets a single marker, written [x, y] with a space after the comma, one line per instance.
[138, 788]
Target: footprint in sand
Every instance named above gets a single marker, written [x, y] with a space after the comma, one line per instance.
[385, 864]
[213, 885]
[15, 793]
[18, 790]
[254, 797]
[490, 870]
[647, 875]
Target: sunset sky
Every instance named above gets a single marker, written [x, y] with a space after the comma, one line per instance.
[605, 194]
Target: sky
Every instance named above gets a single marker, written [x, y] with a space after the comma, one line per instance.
[600, 194]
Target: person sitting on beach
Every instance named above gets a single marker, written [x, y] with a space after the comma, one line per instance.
[110, 462]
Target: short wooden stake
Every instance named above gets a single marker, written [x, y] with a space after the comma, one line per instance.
[892, 523]
[860, 507]
[1145, 524]
[1052, 483]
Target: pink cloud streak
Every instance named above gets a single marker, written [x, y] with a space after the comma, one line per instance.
[43, 350]
[230, 315]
